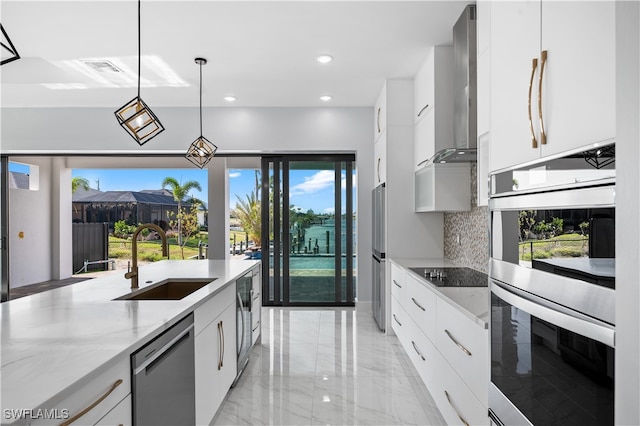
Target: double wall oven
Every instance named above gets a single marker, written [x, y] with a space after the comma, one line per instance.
[552, 279]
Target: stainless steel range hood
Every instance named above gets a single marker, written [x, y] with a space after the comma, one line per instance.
[464, 92]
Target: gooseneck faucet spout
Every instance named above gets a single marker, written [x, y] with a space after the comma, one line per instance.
[132, 272]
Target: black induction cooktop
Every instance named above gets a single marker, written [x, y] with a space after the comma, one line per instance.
[453, 277]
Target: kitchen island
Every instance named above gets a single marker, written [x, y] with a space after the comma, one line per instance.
[58, 341]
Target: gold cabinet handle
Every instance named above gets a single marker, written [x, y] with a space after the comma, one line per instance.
[464, 422]
[543, 135]
[378, 119]
[92, 406]
[378, 169]
[458, 344]
[396, 283]
[534, 142]
[418, 351]
[422, 110]
[418, 305]
[256, 327]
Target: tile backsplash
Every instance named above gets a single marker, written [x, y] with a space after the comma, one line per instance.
[466, 234]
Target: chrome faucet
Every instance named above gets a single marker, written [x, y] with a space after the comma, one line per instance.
[132, 270]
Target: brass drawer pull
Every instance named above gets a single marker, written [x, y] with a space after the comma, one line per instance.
[534, 142]
[92, 406]
[396, 319]
[418, 351]
[422, 110]
[464, 422]
[256, 327]
[378, 119]
[418, 305]
[462, 348]
[543, 135]
[396, 283]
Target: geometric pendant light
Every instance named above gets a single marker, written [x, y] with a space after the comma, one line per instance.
[135, 116]
[201, 151]
[9, 52]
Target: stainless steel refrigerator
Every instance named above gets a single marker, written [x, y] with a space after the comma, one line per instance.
[378, 252]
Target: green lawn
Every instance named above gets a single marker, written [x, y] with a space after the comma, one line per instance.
[151, 251]
[566, 245]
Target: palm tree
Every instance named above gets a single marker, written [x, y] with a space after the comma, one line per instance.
[79, 182]
[180, 192]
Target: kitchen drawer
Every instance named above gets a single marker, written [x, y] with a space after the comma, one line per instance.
[119, 415]
[421, 351]
[398, 282]
[420, 303]
[114, 385]
[465, 345]
[399, 320]
[255, 331]
[213, 307]
[454, 399]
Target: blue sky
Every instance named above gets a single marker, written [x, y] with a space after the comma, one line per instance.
[310, 189]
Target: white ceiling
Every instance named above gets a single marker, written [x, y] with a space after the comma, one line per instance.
[262, 52]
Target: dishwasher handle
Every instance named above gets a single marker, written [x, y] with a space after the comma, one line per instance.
[163, 350]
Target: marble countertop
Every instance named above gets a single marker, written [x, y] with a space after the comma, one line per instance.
[471, 301]
[62, 337]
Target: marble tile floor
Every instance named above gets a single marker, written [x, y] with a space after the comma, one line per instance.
[327, 366]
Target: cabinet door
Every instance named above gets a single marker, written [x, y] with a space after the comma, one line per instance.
[424, 139]
[215, 363]
[380, 160]
[515, 42]
[579, 77]
[424, 90]
[380, 111]
[256, 306]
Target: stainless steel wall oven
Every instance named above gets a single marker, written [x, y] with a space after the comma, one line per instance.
[552, 278]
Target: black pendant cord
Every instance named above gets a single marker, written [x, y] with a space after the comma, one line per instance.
[200, 98]
[139, 50]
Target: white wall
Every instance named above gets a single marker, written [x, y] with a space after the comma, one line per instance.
[627, 361]
[30, 257]
[234, 130]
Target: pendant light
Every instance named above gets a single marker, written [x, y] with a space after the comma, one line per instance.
[135, 116]
[201, 151]
[9, 52]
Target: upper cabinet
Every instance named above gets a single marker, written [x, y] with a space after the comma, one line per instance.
[433, 104]
[380, 119]
[552, 78]
[393, 111]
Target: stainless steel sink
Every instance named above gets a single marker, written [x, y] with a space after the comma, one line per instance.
[171, 289]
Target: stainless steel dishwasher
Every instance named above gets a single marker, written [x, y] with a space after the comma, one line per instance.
[164, 378]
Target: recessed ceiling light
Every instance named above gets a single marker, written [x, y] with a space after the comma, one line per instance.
[324, 59]
[230, 98]
[326, 98]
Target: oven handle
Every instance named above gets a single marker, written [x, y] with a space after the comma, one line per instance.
[582, 326]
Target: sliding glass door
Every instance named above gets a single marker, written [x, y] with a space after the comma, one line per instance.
[308, 225]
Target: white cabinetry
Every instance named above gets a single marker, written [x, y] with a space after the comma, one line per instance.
[553, 61]
[443, 187]
[437, 187]
[119, 415]
[394, 147]
[483, 26]
[256, 305]
[433, 104]
[215, 352]
[96, 399]
[448, 349]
